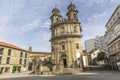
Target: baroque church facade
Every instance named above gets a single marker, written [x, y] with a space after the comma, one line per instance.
[66, 45]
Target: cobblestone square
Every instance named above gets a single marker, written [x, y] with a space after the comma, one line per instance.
[98, 75]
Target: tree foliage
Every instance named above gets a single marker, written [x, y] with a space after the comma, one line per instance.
[100, 56]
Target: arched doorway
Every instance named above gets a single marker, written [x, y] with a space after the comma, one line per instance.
[64, 59]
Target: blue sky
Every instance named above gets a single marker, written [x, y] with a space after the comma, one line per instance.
[26, 22]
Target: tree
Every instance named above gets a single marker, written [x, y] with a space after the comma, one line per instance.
[95, 61]
[48, 63]
[30, 66]
[101, 56]
[36, 61]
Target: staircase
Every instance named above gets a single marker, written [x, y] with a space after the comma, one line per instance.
[70, 71]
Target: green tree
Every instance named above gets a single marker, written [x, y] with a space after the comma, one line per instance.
[95, 61]
[36, 61]
[30, 66]
[101, 56]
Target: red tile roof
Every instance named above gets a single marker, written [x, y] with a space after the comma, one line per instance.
[11, 46]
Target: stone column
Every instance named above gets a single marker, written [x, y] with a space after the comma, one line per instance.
[68, 53]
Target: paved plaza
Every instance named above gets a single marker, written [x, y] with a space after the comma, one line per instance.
[96, 75]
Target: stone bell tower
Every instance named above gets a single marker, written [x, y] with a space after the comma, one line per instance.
[66, 45]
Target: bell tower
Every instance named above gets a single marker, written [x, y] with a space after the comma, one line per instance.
[72, 13]
[55, 15]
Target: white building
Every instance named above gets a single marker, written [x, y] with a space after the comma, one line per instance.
[94, 46]
[89, 45]
[96, 43]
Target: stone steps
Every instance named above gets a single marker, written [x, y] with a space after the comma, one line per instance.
[70, 71]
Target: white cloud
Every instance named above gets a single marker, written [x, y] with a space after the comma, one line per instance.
[97, 1]
[30, 26]
[99, 15]
[45, 24]
[33, 25]
[92, 2]
[44, 35]
[114, 0]
[4, 20]
[95, 26]
[96, 19]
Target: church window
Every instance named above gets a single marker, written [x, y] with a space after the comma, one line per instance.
[63, 47]
[77, 45]
[62, 30]
[52, 49]
[74, 16]
[75, 29]
[57, 19]
[56, 31]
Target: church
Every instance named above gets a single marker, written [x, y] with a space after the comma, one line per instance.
[66, 45]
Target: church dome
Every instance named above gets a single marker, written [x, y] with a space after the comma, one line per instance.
[55, 10]
[71, 6]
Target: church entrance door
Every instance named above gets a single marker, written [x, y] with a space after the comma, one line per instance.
[64, 59]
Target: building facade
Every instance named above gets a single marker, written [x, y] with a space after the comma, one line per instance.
[66, 37]
[96, 43]
[40, 55]
[94, 47]
[12, 58]
[113, 38]
[37, 60]
[89, 45]
[101, 43]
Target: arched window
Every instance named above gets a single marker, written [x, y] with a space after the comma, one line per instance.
[57, 19]
[75, 29]
[74, 16]
[77, 45]
[63, 47]
[62, 30]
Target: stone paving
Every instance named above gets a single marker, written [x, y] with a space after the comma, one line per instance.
[91, 75]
